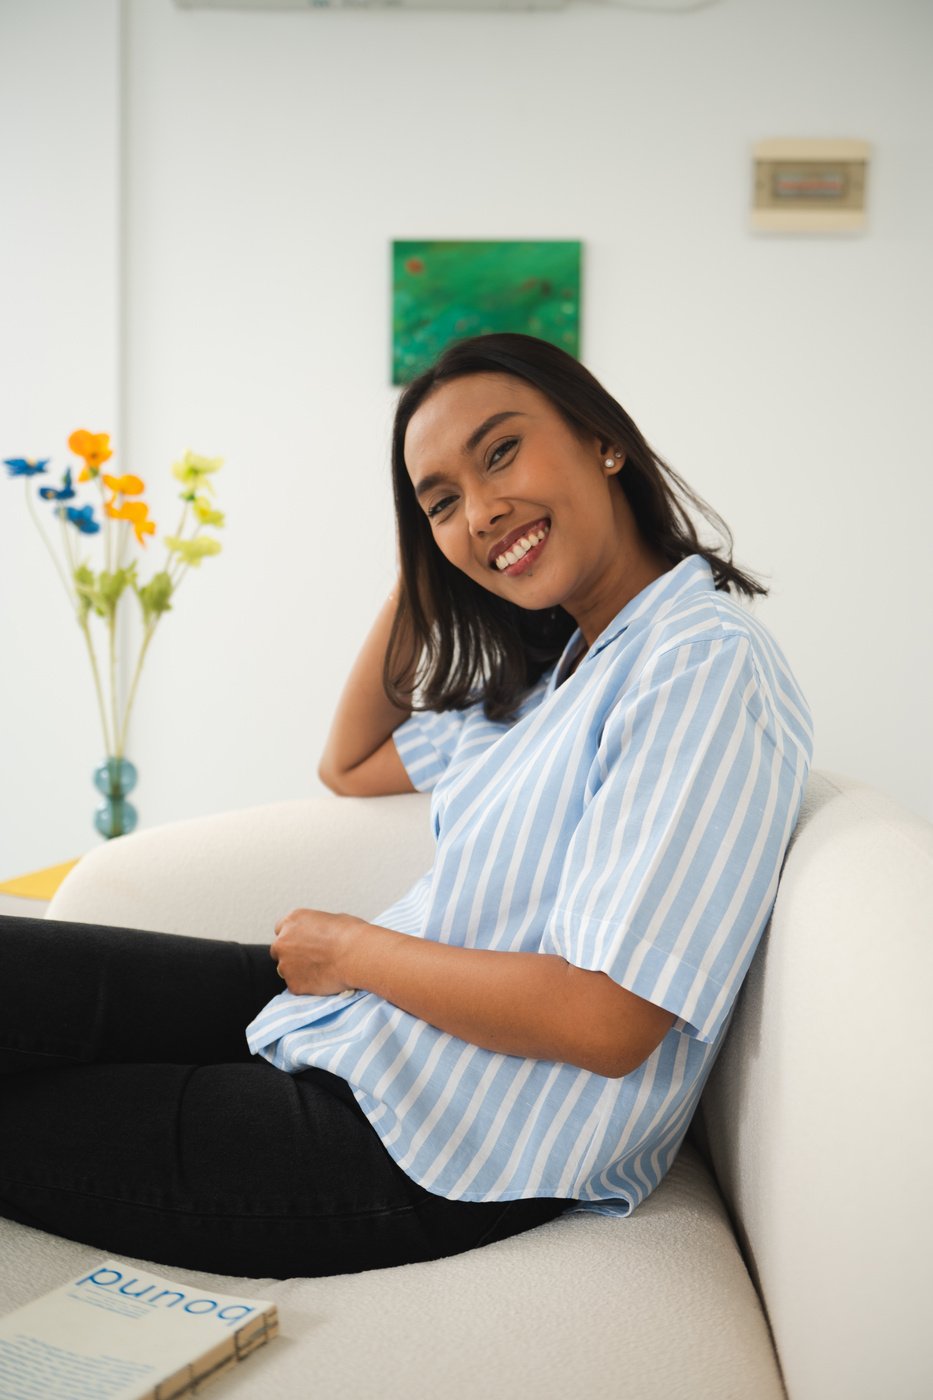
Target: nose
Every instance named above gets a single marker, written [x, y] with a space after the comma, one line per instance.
[484, 509]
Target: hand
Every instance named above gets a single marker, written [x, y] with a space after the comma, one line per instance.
[310, 948]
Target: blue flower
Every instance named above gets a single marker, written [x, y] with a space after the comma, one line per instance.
[48, 493]
[21, 466]
[82, 519]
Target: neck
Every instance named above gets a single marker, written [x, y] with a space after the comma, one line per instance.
[631, 567]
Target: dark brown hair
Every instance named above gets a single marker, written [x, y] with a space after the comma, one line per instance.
[452, 641]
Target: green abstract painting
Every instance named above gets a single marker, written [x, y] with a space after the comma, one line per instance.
[447, 291]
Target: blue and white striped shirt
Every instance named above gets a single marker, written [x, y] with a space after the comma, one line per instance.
[632, 819]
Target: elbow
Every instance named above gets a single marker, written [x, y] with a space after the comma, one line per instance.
[613, 1066]
[615, 1030]
[615, 1060]
[332, 778]
[343, 782]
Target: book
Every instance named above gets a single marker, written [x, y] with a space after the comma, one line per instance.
[118, 1333]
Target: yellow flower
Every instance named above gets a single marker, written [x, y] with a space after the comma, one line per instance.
[137, 513]
[206, 512]
[125, 485]
[94, 448]
[193, 470]
[193, 551]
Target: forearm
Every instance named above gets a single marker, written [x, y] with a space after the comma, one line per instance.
[365, 717]
[535, 1005]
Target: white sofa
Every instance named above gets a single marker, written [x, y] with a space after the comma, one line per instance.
[789, 1246]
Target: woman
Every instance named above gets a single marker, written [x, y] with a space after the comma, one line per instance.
[617, 753]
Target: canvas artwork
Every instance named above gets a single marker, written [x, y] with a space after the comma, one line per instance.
[446, 291]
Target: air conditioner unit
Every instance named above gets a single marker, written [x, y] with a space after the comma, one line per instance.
[658, 6]
[370, 4]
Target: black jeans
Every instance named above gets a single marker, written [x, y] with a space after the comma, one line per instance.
[134, 1118]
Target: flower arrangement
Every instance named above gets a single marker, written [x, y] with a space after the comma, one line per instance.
[124, 526]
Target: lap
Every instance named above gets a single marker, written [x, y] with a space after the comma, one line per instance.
[133, 1118]
[236, 1169]
[84, 992]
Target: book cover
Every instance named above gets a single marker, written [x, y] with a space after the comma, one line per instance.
[118, 1333]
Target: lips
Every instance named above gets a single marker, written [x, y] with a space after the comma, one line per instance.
[505, 544]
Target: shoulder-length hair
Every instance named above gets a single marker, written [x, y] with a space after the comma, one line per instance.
[452, 642]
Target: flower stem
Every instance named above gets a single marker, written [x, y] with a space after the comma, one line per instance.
[108, 528]
[147, 638]
[72, 598]
[112, 639]
[179, 563]
[66, 546]
[48, 544]
[82, 622]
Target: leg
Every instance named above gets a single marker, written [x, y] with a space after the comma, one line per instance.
[76, 993]
[233, 1168]
[146, 1128]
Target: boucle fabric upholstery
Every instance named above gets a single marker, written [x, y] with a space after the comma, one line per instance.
[234, 875]
[820, 1108]
[658, 1307]
[816, 1119]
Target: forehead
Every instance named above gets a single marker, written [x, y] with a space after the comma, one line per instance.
[452, 412]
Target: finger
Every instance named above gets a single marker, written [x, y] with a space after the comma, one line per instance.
[273, 954]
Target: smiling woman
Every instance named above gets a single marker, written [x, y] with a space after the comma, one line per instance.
[524, 409]
[616, 752]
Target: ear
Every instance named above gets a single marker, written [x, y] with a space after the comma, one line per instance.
[611, 458]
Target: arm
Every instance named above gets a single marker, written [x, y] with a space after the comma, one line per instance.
[359, 758]
[535, 1005]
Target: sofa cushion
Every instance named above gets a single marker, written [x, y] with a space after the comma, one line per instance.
[234, 874]
[655, 1306]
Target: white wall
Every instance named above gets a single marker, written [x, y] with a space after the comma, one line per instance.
[269, 160]
[59, 370]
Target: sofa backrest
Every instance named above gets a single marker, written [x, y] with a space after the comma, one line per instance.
[818, 1112]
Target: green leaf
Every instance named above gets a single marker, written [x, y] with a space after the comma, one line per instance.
[155, 597]
[103, 591]
[112, 586]
[86, 590]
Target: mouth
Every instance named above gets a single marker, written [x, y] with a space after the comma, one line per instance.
[517, 551]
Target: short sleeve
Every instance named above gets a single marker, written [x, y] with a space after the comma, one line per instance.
[671, 874]
[426, 743]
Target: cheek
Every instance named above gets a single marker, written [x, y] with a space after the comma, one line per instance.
[457, 549]
[448, 542]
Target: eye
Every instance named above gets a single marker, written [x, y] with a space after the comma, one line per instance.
[439, 507]
[501, 449]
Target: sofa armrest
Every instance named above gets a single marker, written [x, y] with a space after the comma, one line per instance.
[233, 875]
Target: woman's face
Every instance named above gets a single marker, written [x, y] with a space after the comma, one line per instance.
[524, 505]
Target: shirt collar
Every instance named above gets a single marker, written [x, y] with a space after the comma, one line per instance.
[692, 576]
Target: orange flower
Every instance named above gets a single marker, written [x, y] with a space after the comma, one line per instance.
[125, 485]
[137, 513]
[94, 448]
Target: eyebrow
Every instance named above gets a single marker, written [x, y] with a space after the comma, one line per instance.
[475, 438]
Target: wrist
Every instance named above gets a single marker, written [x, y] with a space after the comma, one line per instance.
[354, 957]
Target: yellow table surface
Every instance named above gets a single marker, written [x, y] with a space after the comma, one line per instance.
[38, 884]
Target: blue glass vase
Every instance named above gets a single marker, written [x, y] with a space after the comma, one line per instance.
[115, 777]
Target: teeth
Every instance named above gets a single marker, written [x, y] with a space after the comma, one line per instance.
[520, 548]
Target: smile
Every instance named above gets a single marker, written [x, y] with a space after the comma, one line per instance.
[526, 547]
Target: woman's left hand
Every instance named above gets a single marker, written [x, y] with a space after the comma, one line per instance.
[311, 948]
